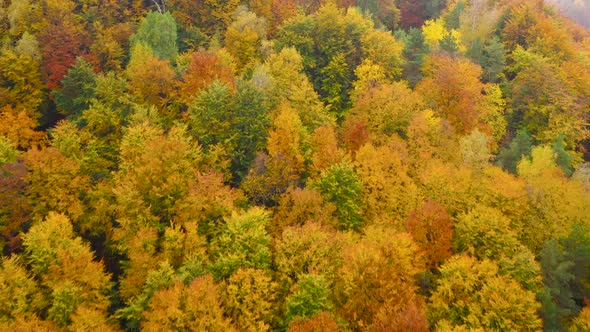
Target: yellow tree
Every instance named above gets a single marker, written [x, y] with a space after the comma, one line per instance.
[244, 36]
[325, 151]
[452, 88]
[308, 249]
[557, 203]
[298, 206]
[56, 182]
[470, 294]
[78, 285]
[193, 307]
[150, 79]
[248, 299]
[283, 78]
[386, 108]
[388, 192]
[375, 286]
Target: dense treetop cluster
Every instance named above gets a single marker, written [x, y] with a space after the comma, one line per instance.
[293, 165]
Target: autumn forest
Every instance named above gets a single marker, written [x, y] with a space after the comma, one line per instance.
[294, 165]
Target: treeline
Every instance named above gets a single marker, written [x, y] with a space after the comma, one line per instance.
[293, 166]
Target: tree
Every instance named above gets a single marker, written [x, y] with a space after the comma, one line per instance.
[322, 322]
[203, 69]
[283, 79]
[248, 297]
[511, 155]
[158, 32]
[195, 307]
[452, 87]
[546, 100]
[548, 190]
[485, 233]
[325, 151]
[297, 207]
[471, 295]
[21, 295]
[475, 150]
[211, 115]
[150, 79]
[77, 90]
[243, 242]
[383, 49]
[308, 249]
[562, 158]
[78, 285]
[415, 49]
[329, 41]
[387, 108]
[21, 86]
[62, 44]
[244, 36]
[388, 193]
[341, 185]
[375, 287]
[308, 297]
[55, 182]
[431, 228]
[15, 209]
[565, 263]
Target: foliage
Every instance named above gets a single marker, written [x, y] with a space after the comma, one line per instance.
[293, 165]
[158, 32]
[341, 185]
[243, 243]
[470, 295]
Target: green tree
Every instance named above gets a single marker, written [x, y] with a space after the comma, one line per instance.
[415, 49]
[309, 296]
[77, 89]
[565, 262]
[562, 157]
[519, 147]
[243, 242]
[341, 185]
[158, 32]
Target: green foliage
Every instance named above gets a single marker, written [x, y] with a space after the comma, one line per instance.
[8, 152]
[415, 49]
[340, 185]
[243, 243]
[238, 122]
[310, 296]
[158, 32]
[562, 157]
[77, 89]
[511, 155]
[565, 263]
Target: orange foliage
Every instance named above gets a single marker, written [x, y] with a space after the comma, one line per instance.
[355, 133]
[152, 82]
[19, 127]
[431, 228]
[321, 322]
[61, 46]
[204, 69]
[300, 206]
[452, 87]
